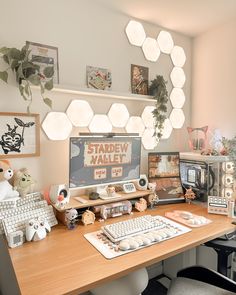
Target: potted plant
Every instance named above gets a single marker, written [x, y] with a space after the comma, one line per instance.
[27, 73]
[159, 91]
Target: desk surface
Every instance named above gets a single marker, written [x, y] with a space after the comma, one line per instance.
[66, 263]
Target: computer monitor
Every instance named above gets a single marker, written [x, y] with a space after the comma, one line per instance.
[96, 160]
[164, 171]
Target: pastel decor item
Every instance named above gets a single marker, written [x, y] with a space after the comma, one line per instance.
[197, 138]
[6, 189]
[36, 229]
[141, 205]
[135, 33]
[151, 49]
[88, 217]
[23, 182]
[71, 216]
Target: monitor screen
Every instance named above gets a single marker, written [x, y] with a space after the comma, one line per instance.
[101, 160]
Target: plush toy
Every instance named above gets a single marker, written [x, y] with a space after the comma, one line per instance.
[23, 182]
[6, 189]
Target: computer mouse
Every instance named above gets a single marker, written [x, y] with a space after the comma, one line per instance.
[185, 214]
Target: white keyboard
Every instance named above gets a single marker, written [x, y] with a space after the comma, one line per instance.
[9, 204]
[18, 222]
[128, 228]
[130, 235]
[20, 210]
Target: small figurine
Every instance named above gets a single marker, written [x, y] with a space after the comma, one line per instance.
[71, 216]
[153, 198]
[189, 195]
[111, 191]
[88, 217]
[23, 182]
[141, 205]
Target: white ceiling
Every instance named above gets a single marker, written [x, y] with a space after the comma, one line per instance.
[189, 17]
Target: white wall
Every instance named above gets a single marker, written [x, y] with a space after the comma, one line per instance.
[86, 33]
[214, 83]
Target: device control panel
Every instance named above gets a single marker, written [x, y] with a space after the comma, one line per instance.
[217, 205]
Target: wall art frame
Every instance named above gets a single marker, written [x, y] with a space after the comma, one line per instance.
[19, 135]
[46, 56]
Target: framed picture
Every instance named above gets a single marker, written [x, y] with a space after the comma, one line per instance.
[46, 56]
[139, 79]
[19, 135]
[98, 78]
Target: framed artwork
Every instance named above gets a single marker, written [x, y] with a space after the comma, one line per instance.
[164, 171]
[98, 78]
[46, 56]
[19, 135]
[139, 79]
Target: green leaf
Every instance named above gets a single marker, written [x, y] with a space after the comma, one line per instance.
[22, 88]
[14, 53]
[49, 84]
[48, 101]
[4, 50]
[14, 64]
[6, 59]
[34, 79]
[27, 90]
[4, 76]
[48, 72]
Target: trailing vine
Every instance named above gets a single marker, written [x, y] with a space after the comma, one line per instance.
[159, 91]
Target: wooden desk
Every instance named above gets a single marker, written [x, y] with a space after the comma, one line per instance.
[65, 262]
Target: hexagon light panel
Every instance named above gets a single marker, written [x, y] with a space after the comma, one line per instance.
[147, 116]
[148, 140]
[135, 125]
[177, 77]
[80, 113]
[165, 42]
[135, 33]
[118, 115]
[178, 56]
[100, 123]
[177, 98]
[151, 49]
[167, 130]
[57, 126]
[177, 118]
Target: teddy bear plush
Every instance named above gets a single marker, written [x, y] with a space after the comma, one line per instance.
[23, 182]
[6, 189]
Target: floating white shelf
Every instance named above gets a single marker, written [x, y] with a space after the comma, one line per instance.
[101, 93]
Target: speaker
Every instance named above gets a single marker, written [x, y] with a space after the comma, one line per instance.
[59, 189]
[142, 183]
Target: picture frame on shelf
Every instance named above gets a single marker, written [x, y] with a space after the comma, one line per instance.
[46, 55]
[19, 135]
[139, 79]
[98, 78]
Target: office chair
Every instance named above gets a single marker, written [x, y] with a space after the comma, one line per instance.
[223, 248]
[198, 280]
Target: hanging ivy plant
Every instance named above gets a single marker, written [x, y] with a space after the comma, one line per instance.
[159, 91]
[27, 72]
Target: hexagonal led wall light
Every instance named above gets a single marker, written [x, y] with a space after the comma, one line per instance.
[57, 126]
[165, 42]
[135, 33]
[178, 56]
[151, 49]
[148, 140]
[177, 118]
[118, 115]
[177, 77]
[177, 98]
[147, 116]
[100, 123]
[80, 113]
[135, 125]
[167, 130]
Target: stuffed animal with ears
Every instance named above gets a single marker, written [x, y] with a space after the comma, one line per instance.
[6, 189]
[23, 182]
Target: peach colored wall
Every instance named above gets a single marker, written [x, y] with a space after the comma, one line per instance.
[214, 80]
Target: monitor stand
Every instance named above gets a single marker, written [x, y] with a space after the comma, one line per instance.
[104, 195]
